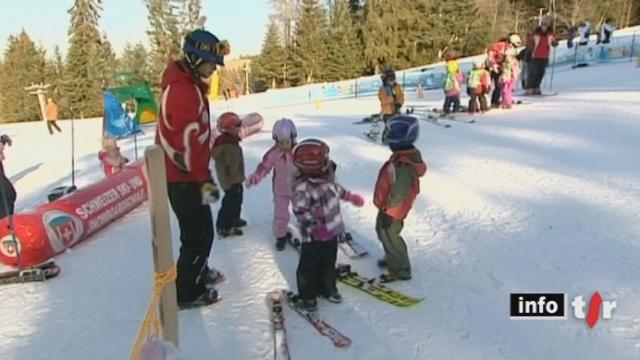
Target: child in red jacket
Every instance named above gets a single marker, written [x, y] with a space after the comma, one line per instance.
[397, 187]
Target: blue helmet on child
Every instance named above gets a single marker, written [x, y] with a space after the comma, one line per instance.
[401, 130]
[201, 45]
[284, 129]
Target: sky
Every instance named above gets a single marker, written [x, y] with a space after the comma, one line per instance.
[242, 22]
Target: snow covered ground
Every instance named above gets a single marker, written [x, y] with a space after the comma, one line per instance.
[542, 198]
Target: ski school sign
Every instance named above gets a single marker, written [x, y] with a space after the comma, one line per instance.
[51, 228]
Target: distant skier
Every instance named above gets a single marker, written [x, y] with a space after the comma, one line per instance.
[8, 193]
[584, 31]
[396, 189]
[606, 31]
[184, 133]
[390, 95]
[51, 111]
[478, 85]
[229, 163]
[316, 205]
[279, 157]
[540, 44]
[452, 83]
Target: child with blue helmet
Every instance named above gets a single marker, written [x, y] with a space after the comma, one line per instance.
[396, 189]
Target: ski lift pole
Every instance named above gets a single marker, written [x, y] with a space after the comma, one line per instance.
[633, 43]
[135, 145]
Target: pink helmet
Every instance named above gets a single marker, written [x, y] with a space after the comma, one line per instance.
[284, 129]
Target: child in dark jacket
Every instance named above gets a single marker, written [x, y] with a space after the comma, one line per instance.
[397, 187]
[229, 163]
[316, 206]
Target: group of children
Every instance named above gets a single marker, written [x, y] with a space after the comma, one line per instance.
[304, 178]
[501, 79]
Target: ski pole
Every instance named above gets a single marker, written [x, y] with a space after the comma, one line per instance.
[553, 68]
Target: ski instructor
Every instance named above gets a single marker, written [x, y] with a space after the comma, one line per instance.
[184, 134]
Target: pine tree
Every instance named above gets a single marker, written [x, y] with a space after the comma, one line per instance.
[83, 85]
[107, 63]
[134, 60]
[345, 50]
[310, 52]
[164, 36]
[381, 33]
[23, 65]
[188, 14]
[454, 21]
[268, 67]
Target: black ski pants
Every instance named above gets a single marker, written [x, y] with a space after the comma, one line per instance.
[316, 274]
[196, 238]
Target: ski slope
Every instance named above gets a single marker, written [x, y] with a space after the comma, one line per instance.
[542, 198]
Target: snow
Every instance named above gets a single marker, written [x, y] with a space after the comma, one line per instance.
[541, 198]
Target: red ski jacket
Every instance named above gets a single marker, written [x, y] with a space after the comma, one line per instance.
[183, 128]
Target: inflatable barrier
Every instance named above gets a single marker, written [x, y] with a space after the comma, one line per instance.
[51, 228]
[251, 124]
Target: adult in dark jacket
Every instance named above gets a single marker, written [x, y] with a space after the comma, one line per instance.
[8, 193]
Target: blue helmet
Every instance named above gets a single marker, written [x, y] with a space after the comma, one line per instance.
[401, 130]
[201, 45]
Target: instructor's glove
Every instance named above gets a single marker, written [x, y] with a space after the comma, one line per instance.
[210, 193]
[355, 199]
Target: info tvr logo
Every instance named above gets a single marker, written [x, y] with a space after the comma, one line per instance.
[553, 306]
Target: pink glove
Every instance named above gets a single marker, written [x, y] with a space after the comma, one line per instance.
[355, 199]
[252, 180]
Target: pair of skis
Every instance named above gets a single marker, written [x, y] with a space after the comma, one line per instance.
[373, 287]
[275, 300]
[35, 273]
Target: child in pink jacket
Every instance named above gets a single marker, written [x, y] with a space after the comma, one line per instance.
[279, 158]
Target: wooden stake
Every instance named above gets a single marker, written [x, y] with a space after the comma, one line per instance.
[161, 238]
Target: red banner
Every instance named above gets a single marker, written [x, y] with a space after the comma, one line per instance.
[51, 228]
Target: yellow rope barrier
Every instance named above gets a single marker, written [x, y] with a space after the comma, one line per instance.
[151, 323]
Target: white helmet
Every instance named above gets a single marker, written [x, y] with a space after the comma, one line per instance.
[284, 129]
[515, 40]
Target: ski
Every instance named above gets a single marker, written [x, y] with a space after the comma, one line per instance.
[338, 339]
[374, 288]
[434, 121]
[278, 330]
[35, 273]
[350, 246]
[453, 118]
